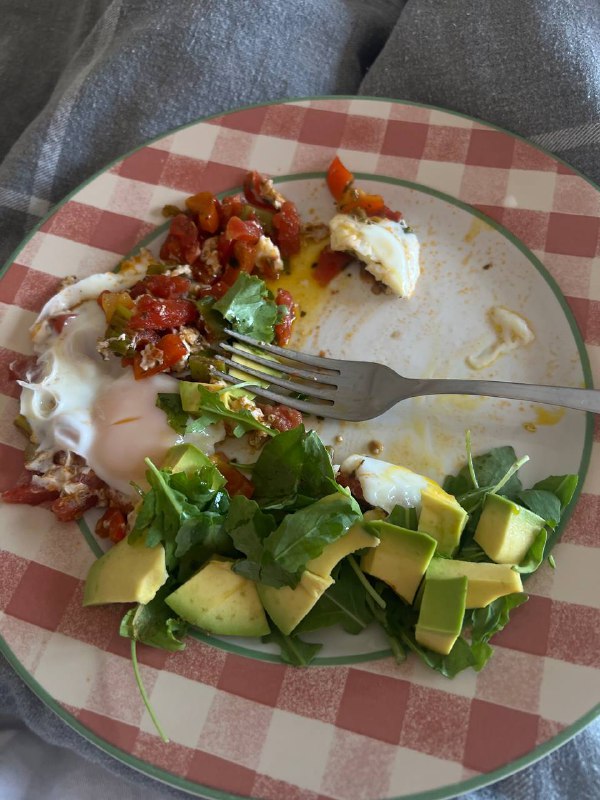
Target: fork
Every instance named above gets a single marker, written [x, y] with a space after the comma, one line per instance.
[360, 390]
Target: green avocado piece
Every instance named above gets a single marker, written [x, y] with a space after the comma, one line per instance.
[127, 573]
[219, 601]
[506, 530]
[189, 458]
[485, 582]
[287, 606]
[444, 518]
[245, 362]
[401, 558]
[356, 538]
[442, 613]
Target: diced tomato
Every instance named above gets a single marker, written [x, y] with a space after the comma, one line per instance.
[29, 494]
[338, 178]
[231, 206]
[182, 244]
[69, 507]
[167, 286]
[282, 418]
[218, 289]
[236, 482]
[286, 225]
[173, 350]
[206, 208]
[58, 323]
[283, 329]
[244, 253]
[254, 189]
[351, 482]
[330, 263]
[159, 314]
[243, 230]
[395, 216]
[112, 525]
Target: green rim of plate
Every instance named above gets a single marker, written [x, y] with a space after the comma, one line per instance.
[441, 793]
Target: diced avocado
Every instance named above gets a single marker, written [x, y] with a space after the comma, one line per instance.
[401, 559]
[188, 458]
[442, 613]
[442, 517]
[245, 362]
[190, 398]
[505, 530]
[355, 539]
[219, 601]
[485, 582]
[127, 573]
[287, 606]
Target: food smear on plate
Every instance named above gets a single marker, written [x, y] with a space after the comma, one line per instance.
[512, 331]
[368, 230]
[128, 406]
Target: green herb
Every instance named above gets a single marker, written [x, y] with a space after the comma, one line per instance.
[563, 486]
[552, 561]
[213, 321]
[375, 596]
[171, 405]
[142, 690]
[293, 650]
[154, 624]
[292, 471]
[535, 555]
[249, 306]
[470, 464]
[279, 558]
[209, 407]
[489, 469]
[403, 517]
[344, 604]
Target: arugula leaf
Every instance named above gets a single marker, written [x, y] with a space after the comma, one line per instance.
[403, 517]
[344, 604]
[171, 405]
[563, 486]
[486, 622]
[175, 501]
[155, 624]
[293, 650]
[249, 306]
[471, 551]
[293, 470]
[543, 503]
[489, 469]
[208, 407]
[535, 555]
[248, 528]
[304, 534]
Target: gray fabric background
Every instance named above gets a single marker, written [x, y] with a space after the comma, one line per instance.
[83, 82]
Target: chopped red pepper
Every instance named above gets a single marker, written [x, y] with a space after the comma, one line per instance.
[173, 350]
[159, 314]
[330, 263]
[206, 207]
[166, 286]
[338, 178]
[182, 244]
[254, 189]
[236, 482]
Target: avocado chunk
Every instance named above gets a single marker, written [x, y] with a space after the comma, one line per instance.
[401, 559]
[287, 606]
[245, 362]
[356, 538]
[442, 517]
[188, 458]
[442, 613]
[219, 601]
[506, 530]
[485, 582]
[127, 573]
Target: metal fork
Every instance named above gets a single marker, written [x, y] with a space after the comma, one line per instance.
[360, 390]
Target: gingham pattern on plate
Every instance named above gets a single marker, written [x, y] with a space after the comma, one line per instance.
[262, 729]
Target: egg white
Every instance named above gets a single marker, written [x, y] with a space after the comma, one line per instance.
[389, 253]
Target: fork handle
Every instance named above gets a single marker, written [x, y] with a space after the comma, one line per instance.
[581, 399]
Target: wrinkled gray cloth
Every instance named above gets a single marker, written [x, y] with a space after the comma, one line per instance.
[81, 83]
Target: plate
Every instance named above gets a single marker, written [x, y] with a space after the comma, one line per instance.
[501, 223]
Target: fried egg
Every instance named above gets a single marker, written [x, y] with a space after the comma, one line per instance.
[386, 485]
[76, 401]
[388, 251]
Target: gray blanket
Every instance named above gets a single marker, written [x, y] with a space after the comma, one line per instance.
[82, 82]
